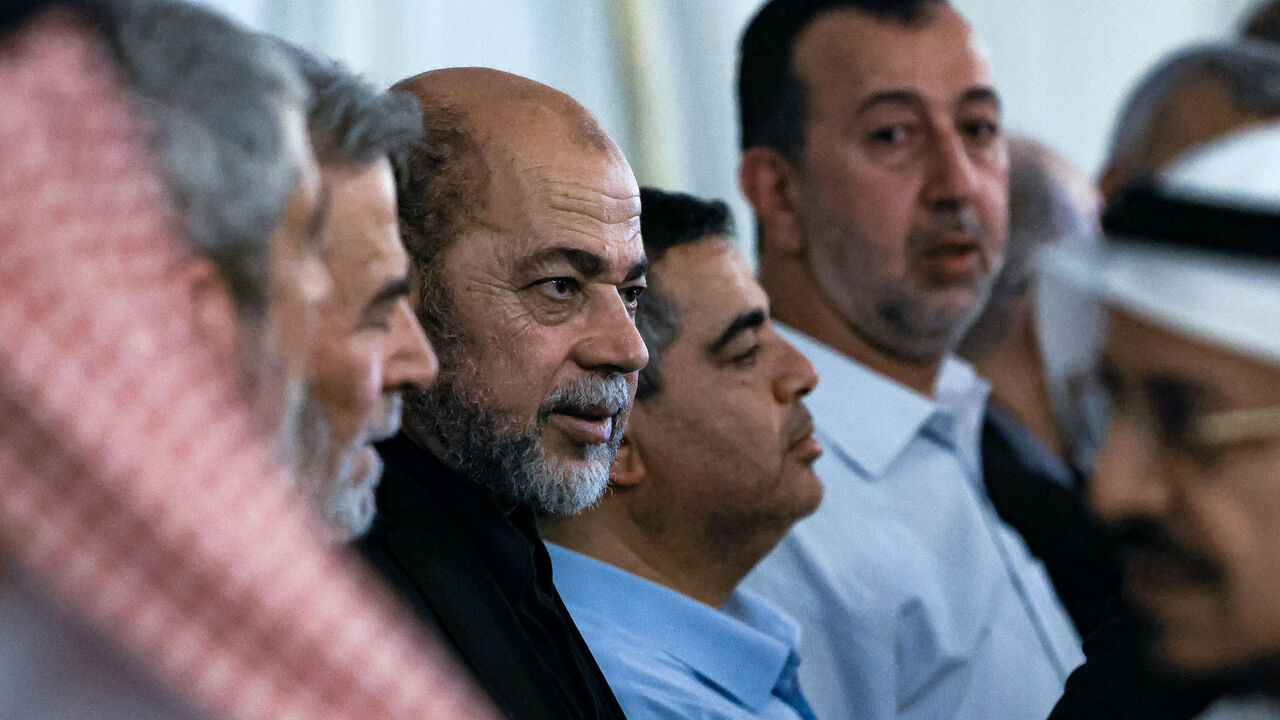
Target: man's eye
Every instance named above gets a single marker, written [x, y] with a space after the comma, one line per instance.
[631, 295]
[981, 132]
[379, 320]
[889, 135]
[561, 288]
[747, 359]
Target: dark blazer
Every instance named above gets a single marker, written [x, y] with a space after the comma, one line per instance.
[1042, 498]
[1118, 681]
[482, 579]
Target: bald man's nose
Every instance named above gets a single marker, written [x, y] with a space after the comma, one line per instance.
[610, 340]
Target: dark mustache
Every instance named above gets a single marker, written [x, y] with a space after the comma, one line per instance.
[946, 223]
[798, 425]
[1145, 539]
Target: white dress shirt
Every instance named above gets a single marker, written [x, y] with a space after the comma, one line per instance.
[915, 599]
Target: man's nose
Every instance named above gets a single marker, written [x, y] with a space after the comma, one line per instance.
[408, 358]
[610, 340]
[1126, 481]
[796, 377]
[952, 176]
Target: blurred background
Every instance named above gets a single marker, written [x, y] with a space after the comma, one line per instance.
[659, 74]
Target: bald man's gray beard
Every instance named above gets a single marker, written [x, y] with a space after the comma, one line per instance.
[488, 445]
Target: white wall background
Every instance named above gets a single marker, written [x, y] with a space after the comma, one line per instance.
[659, 73]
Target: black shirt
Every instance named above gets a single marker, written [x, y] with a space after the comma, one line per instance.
[482, 578]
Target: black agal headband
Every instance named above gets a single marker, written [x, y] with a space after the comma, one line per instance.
[1144, 213]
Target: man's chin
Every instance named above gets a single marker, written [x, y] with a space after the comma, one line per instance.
[351, 506]
[566, 486]
[1190, 635]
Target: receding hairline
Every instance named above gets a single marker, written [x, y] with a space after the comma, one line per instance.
[489, 102]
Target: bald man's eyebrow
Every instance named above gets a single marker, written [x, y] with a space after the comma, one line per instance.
[638, 270]
[586, 263]
[749, 320]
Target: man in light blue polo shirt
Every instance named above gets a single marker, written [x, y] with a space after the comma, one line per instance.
[874, 159]
[714, 468]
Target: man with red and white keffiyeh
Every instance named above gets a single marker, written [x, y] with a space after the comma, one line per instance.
[158, 562]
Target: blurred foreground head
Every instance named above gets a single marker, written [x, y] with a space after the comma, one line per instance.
[522, 219]
[1190, 471]
[369, 347]
[137, 492]
[225, 114]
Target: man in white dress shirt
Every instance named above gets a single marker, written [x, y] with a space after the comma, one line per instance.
[874, 159]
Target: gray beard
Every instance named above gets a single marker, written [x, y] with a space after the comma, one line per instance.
[491, 448]
[326, 474]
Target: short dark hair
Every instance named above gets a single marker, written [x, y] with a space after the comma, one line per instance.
[16, 12]
[1263, 24]
[349, 120]
[668, 220]
[771, 99]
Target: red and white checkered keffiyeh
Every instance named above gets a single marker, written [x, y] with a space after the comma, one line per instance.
[131, 484]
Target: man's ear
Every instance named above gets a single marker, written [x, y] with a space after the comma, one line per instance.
[213, 311]
[767, 179]
[1108, 184]
[628, 466]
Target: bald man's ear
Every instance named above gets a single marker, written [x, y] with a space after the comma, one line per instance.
[213, 311]
[627, 470]
[767, 179]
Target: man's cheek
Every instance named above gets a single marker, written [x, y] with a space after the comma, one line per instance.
[1243, 548]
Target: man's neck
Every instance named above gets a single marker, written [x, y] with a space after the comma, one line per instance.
[797, 301]
[696, 572]
[1017, 386]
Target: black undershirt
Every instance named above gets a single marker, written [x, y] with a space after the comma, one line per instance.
[482, 578]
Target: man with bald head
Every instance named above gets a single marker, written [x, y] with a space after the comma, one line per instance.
[521, 218]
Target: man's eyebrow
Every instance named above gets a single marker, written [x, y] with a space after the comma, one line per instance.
[318, 218]
[640, 268]
[589, 264]
[980, 94]
[749, 320]
[390, 293]
[904, 97]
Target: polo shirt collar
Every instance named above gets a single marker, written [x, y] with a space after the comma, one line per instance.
[871, 419]
[743, 657]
